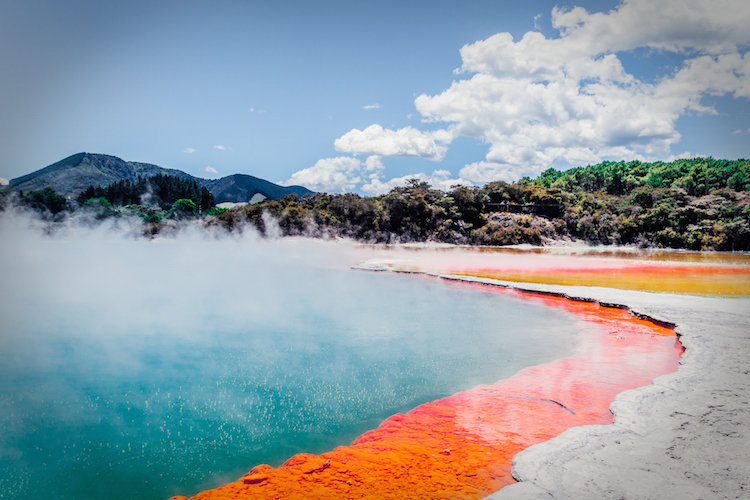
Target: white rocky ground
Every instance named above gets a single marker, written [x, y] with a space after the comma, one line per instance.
[686, 436]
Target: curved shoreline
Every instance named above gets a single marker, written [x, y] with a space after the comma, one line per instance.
[330, 468]
[684, 436]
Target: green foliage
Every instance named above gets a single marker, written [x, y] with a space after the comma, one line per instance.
[411, 210]
[4, 197]
[182, 209]
[185, 205]
[46, 199]
[696, 204]
[101, 206]
[697, 176]
[160, 190]
[149, 215]
[98, 203]
[216, 211]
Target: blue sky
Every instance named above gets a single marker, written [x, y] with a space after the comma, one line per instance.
[359, 96]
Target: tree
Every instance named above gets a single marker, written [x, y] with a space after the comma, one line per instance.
[183, 207]
[46, 199]
[161, 190]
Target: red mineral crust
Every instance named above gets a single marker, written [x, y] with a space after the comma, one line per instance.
[658, 277]
[460, 447]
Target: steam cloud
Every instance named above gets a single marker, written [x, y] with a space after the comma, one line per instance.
[197, 356]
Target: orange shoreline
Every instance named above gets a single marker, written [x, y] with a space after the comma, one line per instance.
[708, 280]
[697, 273]
[461, 446]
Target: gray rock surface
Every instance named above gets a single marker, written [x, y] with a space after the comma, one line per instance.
[685, 436]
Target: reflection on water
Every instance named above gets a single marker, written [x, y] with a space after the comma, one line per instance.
[134, 369]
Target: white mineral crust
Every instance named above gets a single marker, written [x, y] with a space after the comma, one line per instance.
[686, 436]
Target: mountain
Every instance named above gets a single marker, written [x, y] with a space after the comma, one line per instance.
[74, 174]
[241, 187]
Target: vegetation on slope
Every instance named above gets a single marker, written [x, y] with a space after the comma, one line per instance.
[699, 204]
[151, 199]
[46, 199]
[161, 190]
[70, 176]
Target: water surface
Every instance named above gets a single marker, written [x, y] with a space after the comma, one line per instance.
[145, 369]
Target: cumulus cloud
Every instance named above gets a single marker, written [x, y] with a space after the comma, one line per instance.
[715, 27]
[685, 155]
[374, 163]
[211, 170]
[485, 171]
[568, 100]
[408, 141]
[222, 148]
[538, 102]
[345, 173]
[439, 179]
[371, 106]
[331, 175]
[188, 150]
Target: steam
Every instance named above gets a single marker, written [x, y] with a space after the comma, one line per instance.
[194, 356]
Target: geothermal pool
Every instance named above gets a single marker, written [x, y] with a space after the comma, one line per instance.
[146, 369]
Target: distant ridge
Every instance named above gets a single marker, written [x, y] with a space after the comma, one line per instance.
[75, 173]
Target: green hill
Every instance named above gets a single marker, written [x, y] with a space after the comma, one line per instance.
[240, 187]
[71, 176]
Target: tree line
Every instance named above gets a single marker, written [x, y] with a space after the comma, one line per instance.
[152, 199]
[699, 204]
[161, 190]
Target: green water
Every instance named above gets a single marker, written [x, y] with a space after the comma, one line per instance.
[160, 384]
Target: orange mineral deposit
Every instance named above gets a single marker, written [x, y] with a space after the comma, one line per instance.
[460, 447]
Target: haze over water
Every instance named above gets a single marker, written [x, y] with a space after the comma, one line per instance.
[141, 369]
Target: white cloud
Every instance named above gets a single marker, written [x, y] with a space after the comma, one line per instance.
[211, 170]
[440, 179]
[538, 102]
[715, 26]
[408, 141]
[371, 106]
[223, 148]
[683, 156]
[374, 163]
[331, 175]
[738, 131]
[4, 181]
[483, 171]
[188, 150]
[345, 173]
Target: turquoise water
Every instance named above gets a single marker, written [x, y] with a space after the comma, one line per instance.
[137, 370]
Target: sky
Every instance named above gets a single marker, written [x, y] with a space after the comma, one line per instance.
[343, 96]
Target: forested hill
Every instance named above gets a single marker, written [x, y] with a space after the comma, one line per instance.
[698, 204]
[71, 176]
[697, 177]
